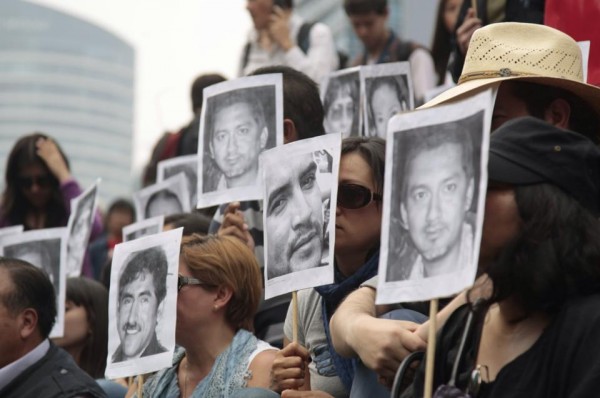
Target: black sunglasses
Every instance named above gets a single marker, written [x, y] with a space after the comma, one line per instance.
[188, 280]
[42, 181]
[354, 196]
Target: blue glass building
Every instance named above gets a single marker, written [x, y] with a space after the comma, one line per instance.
[74, 81]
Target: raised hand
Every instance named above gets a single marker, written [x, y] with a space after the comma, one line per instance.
[48, 151]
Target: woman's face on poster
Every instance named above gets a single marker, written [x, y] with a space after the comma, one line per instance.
[340, 113]
[385, 104]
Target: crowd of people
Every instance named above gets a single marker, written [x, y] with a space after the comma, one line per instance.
[527, 327]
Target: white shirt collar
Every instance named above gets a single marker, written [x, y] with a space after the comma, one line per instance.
[14, 369]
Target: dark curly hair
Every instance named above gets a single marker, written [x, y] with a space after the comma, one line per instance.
[556, 255]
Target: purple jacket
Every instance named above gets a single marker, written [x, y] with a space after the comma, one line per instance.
[70, 189]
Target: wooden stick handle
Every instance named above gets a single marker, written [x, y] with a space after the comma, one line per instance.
[474, 6]
[429, 365]
[140, 381]
[295, 316]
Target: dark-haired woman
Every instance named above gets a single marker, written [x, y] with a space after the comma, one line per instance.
[447, 14]
[537, 330]
[86, 325]
[219, 288]
[39, 188]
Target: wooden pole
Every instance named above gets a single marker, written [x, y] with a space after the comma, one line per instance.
[295, 316]
[429, 365]
[140, 381]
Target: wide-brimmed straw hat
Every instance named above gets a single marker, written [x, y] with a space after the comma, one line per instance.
[524, 52]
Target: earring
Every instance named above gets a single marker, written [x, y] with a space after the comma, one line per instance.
[215, 307]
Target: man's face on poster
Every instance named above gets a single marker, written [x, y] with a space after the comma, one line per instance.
[137, 314]
[165, 203]
[77, 240]
[294, 215]
[438, 194]
[237, 140]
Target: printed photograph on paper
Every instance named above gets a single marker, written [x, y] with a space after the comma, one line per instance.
[83, 210]
[47, 250]
[340, 94]
[164, 198]
[143, 228]
[240, 119]
[143, 304]
[300, 189]
[436, 179]
[188, 165]
[388, 90]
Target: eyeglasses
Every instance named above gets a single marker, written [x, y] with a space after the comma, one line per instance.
[42, 181]
[354, 196]
[188, 280]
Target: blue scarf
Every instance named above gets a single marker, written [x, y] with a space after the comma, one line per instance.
[331, 296]
[228, 374]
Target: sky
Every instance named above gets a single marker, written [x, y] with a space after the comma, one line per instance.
[175, 41]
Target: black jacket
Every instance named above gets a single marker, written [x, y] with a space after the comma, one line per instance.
[55, 375]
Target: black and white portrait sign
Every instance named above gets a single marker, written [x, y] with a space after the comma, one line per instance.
[12, 230]
[142, 304]
[436, 179]
[388, 90]
[240, 119]
[188, 165]
[45, 249]
[340, 94]
[149, 226]
[164, 198]
[300, 190]
[83, 210]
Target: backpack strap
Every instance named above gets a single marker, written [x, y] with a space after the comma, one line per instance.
[303, 37]
[403, 50]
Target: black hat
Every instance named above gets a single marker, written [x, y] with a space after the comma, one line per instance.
[528, 150]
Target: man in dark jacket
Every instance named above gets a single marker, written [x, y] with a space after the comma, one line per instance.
[30, 365]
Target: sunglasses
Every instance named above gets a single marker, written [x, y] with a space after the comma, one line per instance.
[188, 280]
[353, 196]
[43, 181]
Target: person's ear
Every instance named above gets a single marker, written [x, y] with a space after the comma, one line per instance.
[28, 322]
[264, 136]
[469, 198]
[403, 216]
[211, 150]
[224, 294]
[558, 113]
[290, 134]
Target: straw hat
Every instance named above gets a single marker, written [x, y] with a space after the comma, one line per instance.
[521, 51]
